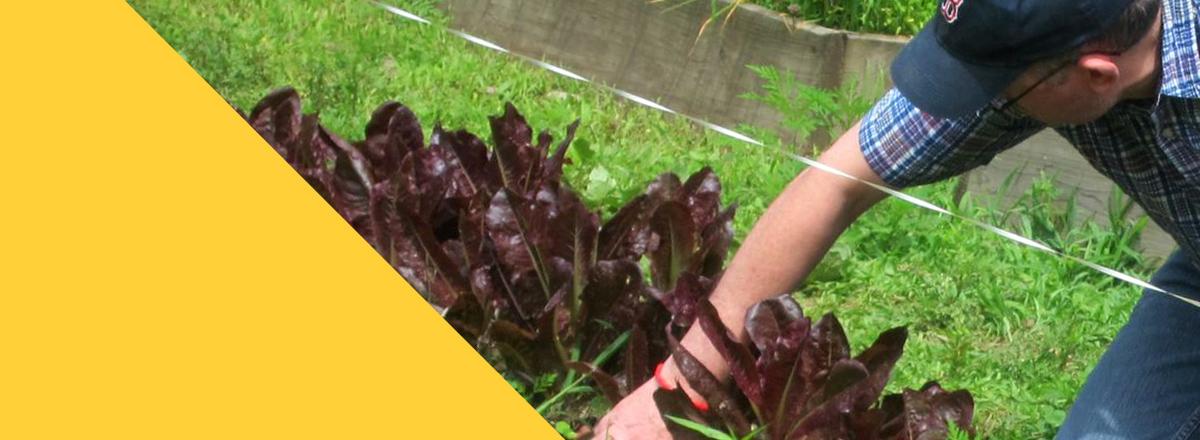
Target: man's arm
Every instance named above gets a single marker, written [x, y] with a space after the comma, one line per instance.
[785, 244]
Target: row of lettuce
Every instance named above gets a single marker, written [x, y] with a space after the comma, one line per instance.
[543, 287]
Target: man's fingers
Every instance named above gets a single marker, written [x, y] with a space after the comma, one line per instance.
[604, 430]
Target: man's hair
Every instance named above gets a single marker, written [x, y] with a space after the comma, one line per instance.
[1133, 24]
[1130, 27]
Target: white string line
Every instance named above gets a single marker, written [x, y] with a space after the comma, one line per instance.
[1011, 236]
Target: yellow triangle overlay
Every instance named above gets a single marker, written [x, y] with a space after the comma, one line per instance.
[164, 274]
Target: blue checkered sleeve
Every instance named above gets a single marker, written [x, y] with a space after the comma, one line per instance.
[907, 147]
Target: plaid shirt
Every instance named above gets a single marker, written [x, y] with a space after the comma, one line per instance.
[1151, 148]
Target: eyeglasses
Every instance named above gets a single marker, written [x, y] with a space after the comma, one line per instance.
[1001, 104]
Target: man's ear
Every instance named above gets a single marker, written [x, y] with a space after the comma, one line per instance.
[1101, 72]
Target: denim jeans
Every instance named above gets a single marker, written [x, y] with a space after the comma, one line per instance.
[1147, 385]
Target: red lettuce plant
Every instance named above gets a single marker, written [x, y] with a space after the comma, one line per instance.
[524, 271]
[794, 379]
[503, 248]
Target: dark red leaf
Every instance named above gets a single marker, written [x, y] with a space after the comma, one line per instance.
[636, 359]
[554, 325]
[690, 290]
[879, 359]
[470, 319]
[934, 408]
[350, 193]
[676, 243]
[277, 119]
[711, 389]
[571, 230]
[382, 220]
[715, 239]
[554, 164]
[831, 407]
[427, 188]
[612, 292]
[779, 329]
[392, 133]
[508, 329]
[444, 278]
[473, 234]
[738, 356]
[843, 376]
[702, 195]
[666, 187]
[652, 314]
[483, 285]
[466, 157]
[313, 158]
[509, 225]
[826, 345]
[627, 234]
[514, 158]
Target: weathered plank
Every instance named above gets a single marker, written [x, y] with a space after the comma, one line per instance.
[657, 52]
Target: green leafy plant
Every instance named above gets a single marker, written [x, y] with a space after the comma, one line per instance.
[807, 109]
[710, 432]
[896, 17]
[1045, 214]
[565, 430]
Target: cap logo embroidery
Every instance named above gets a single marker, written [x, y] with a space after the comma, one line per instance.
[950, 10]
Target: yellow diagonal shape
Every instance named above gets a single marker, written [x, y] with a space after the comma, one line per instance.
[165, 274]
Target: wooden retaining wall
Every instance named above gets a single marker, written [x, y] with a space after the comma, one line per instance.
[653, 50]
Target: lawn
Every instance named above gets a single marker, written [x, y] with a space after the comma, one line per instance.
[1017, 328]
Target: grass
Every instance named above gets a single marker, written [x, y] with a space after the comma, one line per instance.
[893, 17]
[1020, 329]
[890, 17]
[348, 57]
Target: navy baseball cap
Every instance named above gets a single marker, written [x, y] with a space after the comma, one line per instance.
[973, 49]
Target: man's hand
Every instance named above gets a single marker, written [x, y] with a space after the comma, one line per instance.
[636, 417]
[786, 243]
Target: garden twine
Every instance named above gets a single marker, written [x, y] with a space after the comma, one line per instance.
[1011, 236]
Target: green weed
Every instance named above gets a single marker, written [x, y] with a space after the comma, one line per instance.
[891, 17]
[807, 109]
